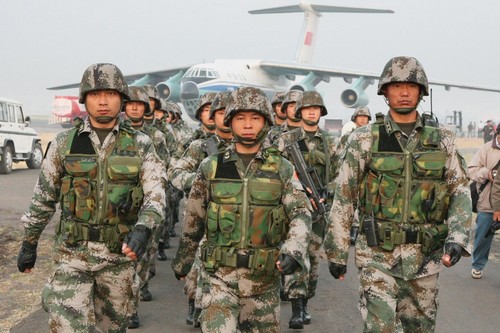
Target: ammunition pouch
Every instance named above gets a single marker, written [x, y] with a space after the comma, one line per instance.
[390, 235]
[73, 232]
[260, 262]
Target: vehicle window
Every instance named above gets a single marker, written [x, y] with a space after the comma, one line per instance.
[19, 114]
[3, 112]
[12, 116]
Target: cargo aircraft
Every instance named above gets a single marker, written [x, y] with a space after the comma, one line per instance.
[185, 84]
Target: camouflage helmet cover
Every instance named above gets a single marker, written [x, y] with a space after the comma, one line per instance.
[248, 99]
[153, 93]
[278, 98]
[404, 69]
[361, 111]
[174, 108]
[102, 76]
[221, 101]
[163, 105]
[310, 98]
[138, 94]
[290, 97]
[207, 98]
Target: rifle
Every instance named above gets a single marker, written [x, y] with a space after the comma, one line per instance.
[209, 146]
[308, 176]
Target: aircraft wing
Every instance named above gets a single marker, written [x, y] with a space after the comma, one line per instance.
[284, 68]
[153, 76]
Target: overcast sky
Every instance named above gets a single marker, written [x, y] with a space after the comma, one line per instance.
[50, 43]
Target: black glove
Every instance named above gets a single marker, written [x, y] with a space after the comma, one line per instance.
[137, 240]
[27, 256]
[288, 264]
[454, 251]
[178, 276]
[337, 269]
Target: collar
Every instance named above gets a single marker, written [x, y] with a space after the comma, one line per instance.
[231, 155]
[88, 128]
[391, 126]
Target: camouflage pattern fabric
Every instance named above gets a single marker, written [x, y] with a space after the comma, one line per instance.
[406, 261]
[403, 69]
[102, 77]
[321, 146]
[95, 257]
[296, 207]
[184, 171]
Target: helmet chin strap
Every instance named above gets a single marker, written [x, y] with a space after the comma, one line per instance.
[135, 119]
[253, 142]
[310, 122]
[210, 127]
[223, 129]
[403, 110]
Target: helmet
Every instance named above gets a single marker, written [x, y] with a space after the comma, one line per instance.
[138, 94]
[248, 99]
[153, 93]
[404, 69]
[278, 98]
[361, 111]
[290, 97]
[174, 108]
[102, 76]
[207, 98]
[310, 98]
[163, 105]
[220, 102]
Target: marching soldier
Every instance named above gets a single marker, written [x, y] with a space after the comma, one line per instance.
[247, 202]
[111, 187]
[414, 202]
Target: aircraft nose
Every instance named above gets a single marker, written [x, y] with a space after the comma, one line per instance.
[189, 90]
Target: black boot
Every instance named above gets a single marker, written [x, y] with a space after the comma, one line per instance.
[133, 321]
[190, 314]
[306, 317]
[297, 321]
[160, 255]
[172, 232]
[146, 295]
[197, 313]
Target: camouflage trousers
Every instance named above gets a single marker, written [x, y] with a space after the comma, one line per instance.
[234, 303]
[391, 304]
[145, 270]
[304, 283]
[89, 291]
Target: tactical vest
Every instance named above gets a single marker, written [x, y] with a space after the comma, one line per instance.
[100, 200]
[405, 186]
[245, 214]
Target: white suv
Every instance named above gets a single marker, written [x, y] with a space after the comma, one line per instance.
[18, 141]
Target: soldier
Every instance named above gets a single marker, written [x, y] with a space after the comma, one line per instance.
[181, 129]
[135, 109]
[247, 202]
[276, 103]
[108, 179]
[415, 205]
[154, 103]
[288, 108]
[182, 178]
[319, 151]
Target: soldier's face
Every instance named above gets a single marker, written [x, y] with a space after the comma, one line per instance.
[204, 116]
[135, 109]
[159, 114]
[290, 110]
[248, 124]
[277, 111]
[152, 104]
[311, 113]
[103, 104]
[219, 119]
[361, 120]
[402, 95]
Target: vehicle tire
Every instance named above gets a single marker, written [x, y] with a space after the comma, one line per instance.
[6, 161]
[36, 159]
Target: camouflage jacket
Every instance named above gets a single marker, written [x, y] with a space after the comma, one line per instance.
[294, 200]
[48, 187]
[159, 142]
[184, 171]
[406, 260]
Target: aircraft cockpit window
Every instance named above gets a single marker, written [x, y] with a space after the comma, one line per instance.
[203, 73]
[3, 112]
[212, 74]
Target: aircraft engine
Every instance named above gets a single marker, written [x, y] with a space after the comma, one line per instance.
[309, 82]
[171, 88]
[355, 95]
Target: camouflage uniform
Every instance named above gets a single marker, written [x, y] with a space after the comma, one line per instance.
[146, 267]
[242, 287]
[415, 189]
[92, 272]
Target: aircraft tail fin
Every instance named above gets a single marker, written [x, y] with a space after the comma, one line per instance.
[312, 13]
